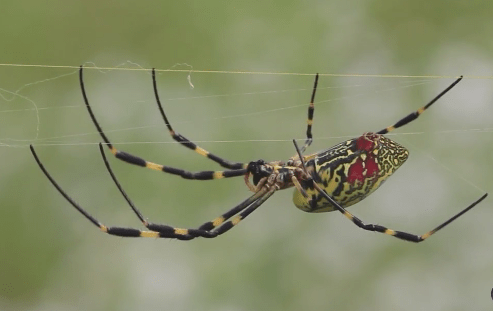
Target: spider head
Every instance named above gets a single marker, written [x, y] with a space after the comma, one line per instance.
[258, 170]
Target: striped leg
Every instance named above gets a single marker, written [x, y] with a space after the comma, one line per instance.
[206, 230]
[187, 143]
[414, 115]
[210, 225]
[230, 224]
[129, 158]
[398, 234]
[311, 110]
[165, 231]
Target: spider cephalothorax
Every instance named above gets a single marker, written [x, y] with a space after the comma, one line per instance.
[325, 181]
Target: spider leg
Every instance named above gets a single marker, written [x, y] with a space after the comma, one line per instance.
[230, 224]
[165, 231]
[218, 221]
[205, 231]
[398, 234]
[414, 115]
[298, 186]
[311, 110]
[206, 226]
[187, 143]
[129, 158]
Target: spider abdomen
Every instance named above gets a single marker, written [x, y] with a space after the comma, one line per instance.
[350, 171]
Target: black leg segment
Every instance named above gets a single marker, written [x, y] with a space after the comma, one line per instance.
[414, 115]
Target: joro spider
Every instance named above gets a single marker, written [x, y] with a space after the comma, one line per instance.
[325, 181]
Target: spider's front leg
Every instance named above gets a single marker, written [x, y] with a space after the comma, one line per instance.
[234, 168]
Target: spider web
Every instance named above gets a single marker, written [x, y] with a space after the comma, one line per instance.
[14, 99]
[33, 107]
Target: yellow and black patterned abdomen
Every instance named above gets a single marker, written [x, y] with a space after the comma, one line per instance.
[350, 171]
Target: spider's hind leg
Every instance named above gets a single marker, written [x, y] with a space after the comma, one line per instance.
[414, 115]
[398, 234]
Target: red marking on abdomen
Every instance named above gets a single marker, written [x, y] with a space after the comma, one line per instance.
[368, 168]
[356, 172]
[371, 166]
[362, 170]
[367, 141]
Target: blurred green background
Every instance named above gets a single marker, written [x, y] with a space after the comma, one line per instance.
[51, 258]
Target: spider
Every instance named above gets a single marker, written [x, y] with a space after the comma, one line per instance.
[330, 180]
